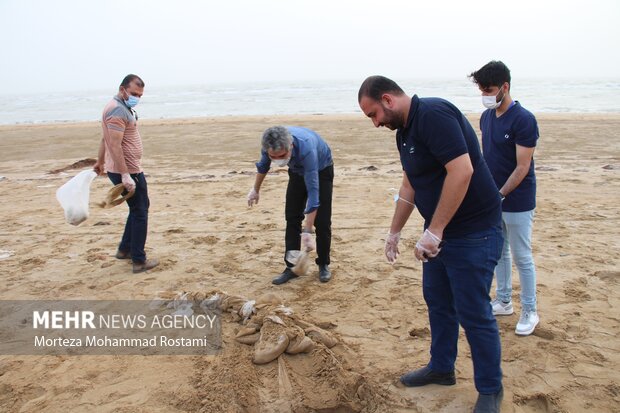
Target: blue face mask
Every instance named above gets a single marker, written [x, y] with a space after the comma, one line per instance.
[132, 101]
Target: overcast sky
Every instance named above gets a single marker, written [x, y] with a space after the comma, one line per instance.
[66, 45]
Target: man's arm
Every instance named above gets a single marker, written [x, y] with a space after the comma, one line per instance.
[254, 194]
[259, 181]
[459, 173]
[404, 207]
[99, 165]
[524, 160]
[116, 150]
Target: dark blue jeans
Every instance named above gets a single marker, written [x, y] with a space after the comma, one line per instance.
[134, 237]
[456, 288]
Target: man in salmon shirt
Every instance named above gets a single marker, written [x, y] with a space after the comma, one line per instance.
[120, 154]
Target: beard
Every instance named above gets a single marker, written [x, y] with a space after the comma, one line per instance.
[393, 119]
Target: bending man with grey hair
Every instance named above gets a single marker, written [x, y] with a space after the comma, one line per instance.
[309, 191]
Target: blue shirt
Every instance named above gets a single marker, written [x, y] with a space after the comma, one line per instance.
[310, 156]
[436, 133]
[500, 137]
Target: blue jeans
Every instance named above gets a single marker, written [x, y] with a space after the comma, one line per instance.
[134, 237]
[517, 231]
[456, 288]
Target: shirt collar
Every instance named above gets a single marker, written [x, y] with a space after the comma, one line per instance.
[413, 109]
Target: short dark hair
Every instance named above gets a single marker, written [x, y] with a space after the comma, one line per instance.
[494, 73]
[130, 78]
[375, 86]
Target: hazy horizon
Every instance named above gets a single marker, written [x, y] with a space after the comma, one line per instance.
[69, 45]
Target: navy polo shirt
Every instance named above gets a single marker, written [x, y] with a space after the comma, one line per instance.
[500, 137]
[310, 155]
[436, 133]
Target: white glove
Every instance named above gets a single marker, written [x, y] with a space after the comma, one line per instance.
[391, 247]
[428, 246]
[253, 197]
[128, 182]
[307, 241]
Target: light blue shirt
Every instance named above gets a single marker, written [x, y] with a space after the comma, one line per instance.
[310, 156]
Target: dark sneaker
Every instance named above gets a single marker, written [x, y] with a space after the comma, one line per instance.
[123, 255]
[285, 277]
[489, 403]
[144, 266]
[324, 273]
[425, 375]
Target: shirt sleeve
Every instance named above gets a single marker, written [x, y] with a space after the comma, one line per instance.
[116, 120]
[443, 136]
[263, 165]
[526, 131]
[311, 179]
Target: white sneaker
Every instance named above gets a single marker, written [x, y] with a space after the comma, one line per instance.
[527, 323]
[501, 308]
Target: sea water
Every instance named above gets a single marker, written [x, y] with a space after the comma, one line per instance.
[302, 97]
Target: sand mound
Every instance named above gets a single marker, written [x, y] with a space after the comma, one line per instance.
[273, 360]
[83, 163]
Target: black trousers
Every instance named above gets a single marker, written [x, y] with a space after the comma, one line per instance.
[296, 198]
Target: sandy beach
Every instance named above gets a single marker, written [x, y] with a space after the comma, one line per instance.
[199, 172]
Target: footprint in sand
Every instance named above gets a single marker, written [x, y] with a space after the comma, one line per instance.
[610, 277]
[548, 334]
[209, 240]
[31, 263]
[537, 402]
[576, 290]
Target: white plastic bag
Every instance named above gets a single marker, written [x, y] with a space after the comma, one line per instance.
[73, 196]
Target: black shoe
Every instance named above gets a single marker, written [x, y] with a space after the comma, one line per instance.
[139, 267]
[285, 277]
[425, 375]
[489, 403]
[123, 255]
[324, 273]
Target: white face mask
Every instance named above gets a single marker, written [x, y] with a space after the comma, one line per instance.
[490, 102]
[281, 162]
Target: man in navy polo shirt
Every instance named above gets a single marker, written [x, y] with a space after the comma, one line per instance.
[446, 177]
[509, 135]
[309, 191]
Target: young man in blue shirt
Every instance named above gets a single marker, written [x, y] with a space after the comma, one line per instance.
[445, 176]
[309, 191]
[509, 136]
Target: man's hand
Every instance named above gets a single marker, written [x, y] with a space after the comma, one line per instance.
[391, 247]
[128, 182]
[253, 197]
[98, 168]
[428, 246]
[307, 241]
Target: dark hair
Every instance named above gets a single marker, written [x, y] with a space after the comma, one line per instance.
[494, 73]
[130, 78]
[375, 86]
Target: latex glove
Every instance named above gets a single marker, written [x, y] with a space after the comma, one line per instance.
[428, 246]
[128, 182]
[391, 247]
[253, 197]
[307, 241]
